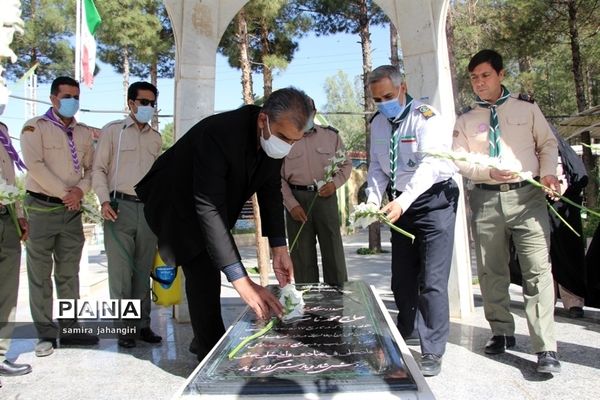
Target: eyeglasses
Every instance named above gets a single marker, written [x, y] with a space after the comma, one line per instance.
[146, 102]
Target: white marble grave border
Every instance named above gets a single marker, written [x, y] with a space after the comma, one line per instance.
[423, 391]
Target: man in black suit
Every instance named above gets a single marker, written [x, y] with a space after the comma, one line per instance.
[194, 192]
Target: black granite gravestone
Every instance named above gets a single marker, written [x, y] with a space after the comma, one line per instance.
[342, 343]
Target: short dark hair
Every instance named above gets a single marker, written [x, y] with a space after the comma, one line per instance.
[133, 89]
[292, 102]
[489, 56]
[62, 80]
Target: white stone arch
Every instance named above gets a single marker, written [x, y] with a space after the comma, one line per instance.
[199, 24]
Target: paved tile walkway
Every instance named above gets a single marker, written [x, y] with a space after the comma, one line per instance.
[157, 371]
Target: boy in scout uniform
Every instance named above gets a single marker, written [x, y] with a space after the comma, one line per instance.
[10, 256]
[301, 168]
[504, 205]
[58, 152]
[126, 151]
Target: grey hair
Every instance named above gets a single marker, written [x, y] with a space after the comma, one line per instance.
[289, 102]
[386, 71]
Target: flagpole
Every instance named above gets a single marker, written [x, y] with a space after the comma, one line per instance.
[78, 41]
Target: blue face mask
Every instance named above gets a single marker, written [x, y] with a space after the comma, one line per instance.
[144, 114]
[391, 108]
[68, 107]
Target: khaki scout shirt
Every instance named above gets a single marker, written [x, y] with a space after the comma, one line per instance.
[137, 152]
[7, 169]
[307, 160]
[526, 140]
[48, 158]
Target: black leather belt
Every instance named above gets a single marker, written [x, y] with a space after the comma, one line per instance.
[43, 197]
[124, 196]
[503, 187]
[3, 210]
[309, 188]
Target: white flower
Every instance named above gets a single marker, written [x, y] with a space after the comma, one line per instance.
[292, 301]
[8, 193]
[364, 215]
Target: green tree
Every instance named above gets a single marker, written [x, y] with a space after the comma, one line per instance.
[130, 34]
[273, 28]
[168, 136]
[344, 110]
[45, 41]
[357, 16]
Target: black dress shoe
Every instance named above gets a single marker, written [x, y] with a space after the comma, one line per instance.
[548, 362]
[128, 343]
[147, 335]
[431, 365]
[499, 343]
[79, 339]
[576, 312]
[8, 368]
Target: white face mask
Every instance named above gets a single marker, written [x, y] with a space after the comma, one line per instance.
[274, 147]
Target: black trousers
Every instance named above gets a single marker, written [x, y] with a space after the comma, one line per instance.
[420, 270]
[203, 289]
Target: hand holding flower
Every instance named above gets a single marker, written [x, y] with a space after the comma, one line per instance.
[24, 225]
[393, 210]
[327, 189]
[298, 214]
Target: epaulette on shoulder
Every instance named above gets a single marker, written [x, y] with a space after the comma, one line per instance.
[373, 116]
[28, 128]
[526, 97]
[426, 111]
[331, 128]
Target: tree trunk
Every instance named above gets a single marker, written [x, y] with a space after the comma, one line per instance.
[262, 245]
[267, 72]
[242, 40]
[365, 43]
[394, 59]
[154, 81]
[125, 75]
[591, 190]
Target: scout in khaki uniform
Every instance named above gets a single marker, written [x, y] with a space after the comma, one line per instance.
[58, 153]
[304, 165]
[513, 128]
[126, 151]
[10, 255]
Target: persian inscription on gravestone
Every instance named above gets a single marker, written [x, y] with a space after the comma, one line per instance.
[341, 344]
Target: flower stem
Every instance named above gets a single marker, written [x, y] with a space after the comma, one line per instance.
[13, 216]
[312, 203]
[562, 198]
[562, 219]
[247, 340]
[399, 230]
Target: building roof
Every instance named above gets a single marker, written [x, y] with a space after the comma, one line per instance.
[588, 120]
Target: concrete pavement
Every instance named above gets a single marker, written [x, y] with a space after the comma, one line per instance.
[149, 371]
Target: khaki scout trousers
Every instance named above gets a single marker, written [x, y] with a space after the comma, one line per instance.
[522, 214]
[55, 240]
[10, 261]
[324, 223]
[130, 248]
